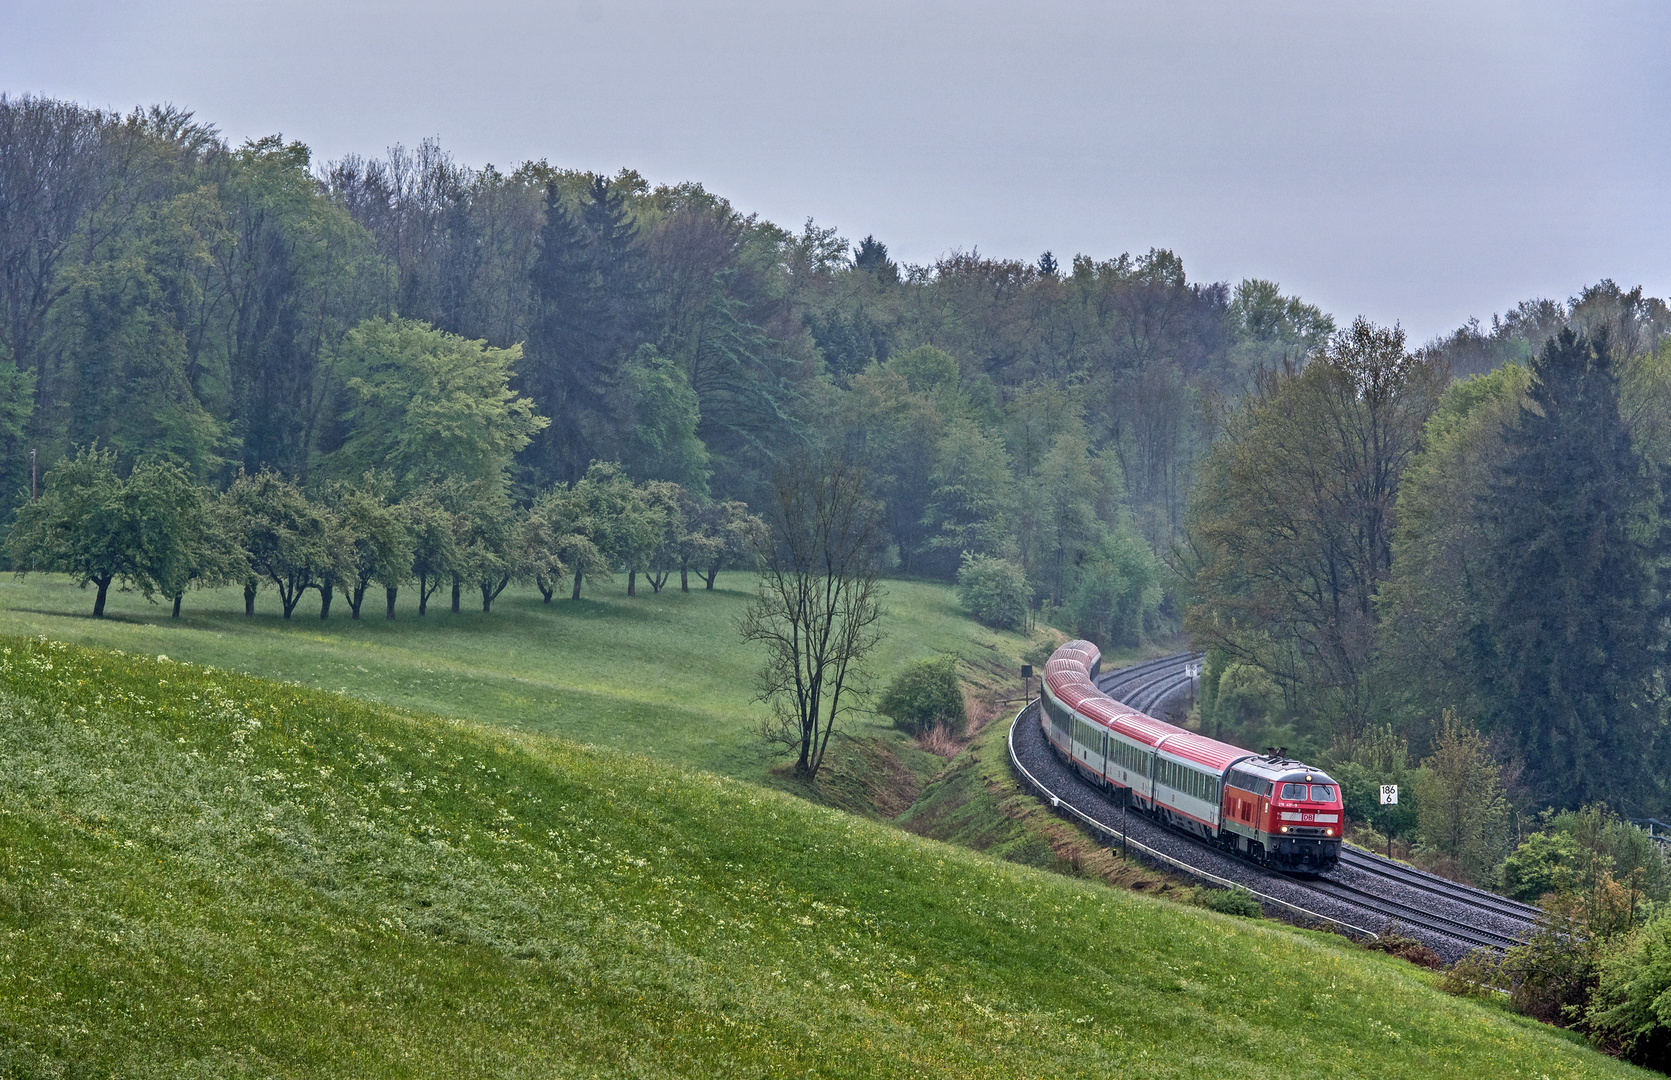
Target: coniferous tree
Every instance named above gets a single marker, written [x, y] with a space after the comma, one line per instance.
[557, 370]
[612, 241]
[589, 289]
[872, 258]
[1568, 651]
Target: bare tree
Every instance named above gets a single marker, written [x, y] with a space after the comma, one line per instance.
[816, 610]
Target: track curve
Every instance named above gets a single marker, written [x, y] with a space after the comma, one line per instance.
[1364, 897]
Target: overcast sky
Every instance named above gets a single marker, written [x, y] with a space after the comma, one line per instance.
[1419, 163]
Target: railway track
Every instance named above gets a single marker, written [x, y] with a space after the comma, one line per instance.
[1366, 890]
[1422, 881]
[1406, 916]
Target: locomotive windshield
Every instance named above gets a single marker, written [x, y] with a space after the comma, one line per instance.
[1293, 791]
[1322, 793]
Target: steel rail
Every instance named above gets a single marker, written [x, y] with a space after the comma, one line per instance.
[1152, 695]
[1450, 890]
[1413, 916]
[1146, 687]
[1111, 835]
[1120, 677]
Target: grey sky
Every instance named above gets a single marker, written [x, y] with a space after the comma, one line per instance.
[1411, 162]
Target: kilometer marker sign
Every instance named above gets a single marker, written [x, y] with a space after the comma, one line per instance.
[1389, 794]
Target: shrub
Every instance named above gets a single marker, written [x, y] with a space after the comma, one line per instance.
[1544, 863]
[1230, 902]
[1475, 975]
[1617, 846]
[926, 695]
[994, 590]
[1405, 948]
[1626, 1014]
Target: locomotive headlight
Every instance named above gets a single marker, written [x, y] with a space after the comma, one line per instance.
[1328, 832]
[1285, 828]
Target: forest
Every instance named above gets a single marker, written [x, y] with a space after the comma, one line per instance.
[1378, 542]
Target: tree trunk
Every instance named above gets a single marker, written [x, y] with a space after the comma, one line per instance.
[98, 601]
[326, 591]
[684, 577]
[546, 588]
[632, 582]
[423, 596]
[391, 590]
[576, 595]
[487, 599]
[249, 598]
[712, 573]
[176, 614]
[355, 597]
[455, 593]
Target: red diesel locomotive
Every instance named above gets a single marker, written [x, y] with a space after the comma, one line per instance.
[1268, 808]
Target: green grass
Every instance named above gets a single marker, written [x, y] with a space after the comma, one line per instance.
[206, 874]
[662, 674]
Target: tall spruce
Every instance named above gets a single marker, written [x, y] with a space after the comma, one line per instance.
[588, 282]
[559, 356]
[1570, 649]
[612, 239]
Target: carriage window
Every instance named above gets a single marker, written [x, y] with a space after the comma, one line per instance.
[1293, 791]
[1322, 793]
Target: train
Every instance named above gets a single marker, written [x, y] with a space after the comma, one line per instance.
[1267, 807]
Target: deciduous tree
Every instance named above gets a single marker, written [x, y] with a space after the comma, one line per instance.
[430, 406]
[816, 608]
[429, 526]
[1291, 524]
[100, 528]
[284, 535]
[1463, 814]
[381, 545]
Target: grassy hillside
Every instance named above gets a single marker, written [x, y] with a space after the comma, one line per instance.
[662, 674]
[208, 874]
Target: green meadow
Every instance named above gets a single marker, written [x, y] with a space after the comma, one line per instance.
[210, 874]
[661, 674]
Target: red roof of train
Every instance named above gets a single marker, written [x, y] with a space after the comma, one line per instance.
[1067, 673]
[1215, 755]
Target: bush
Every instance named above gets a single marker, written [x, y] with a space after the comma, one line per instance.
[1626, 1014]
[1618, 847]
[994, 590]
[1405, 948]
[1475, 975]
[1230, 902]
[1544, 863]
[924, 696]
